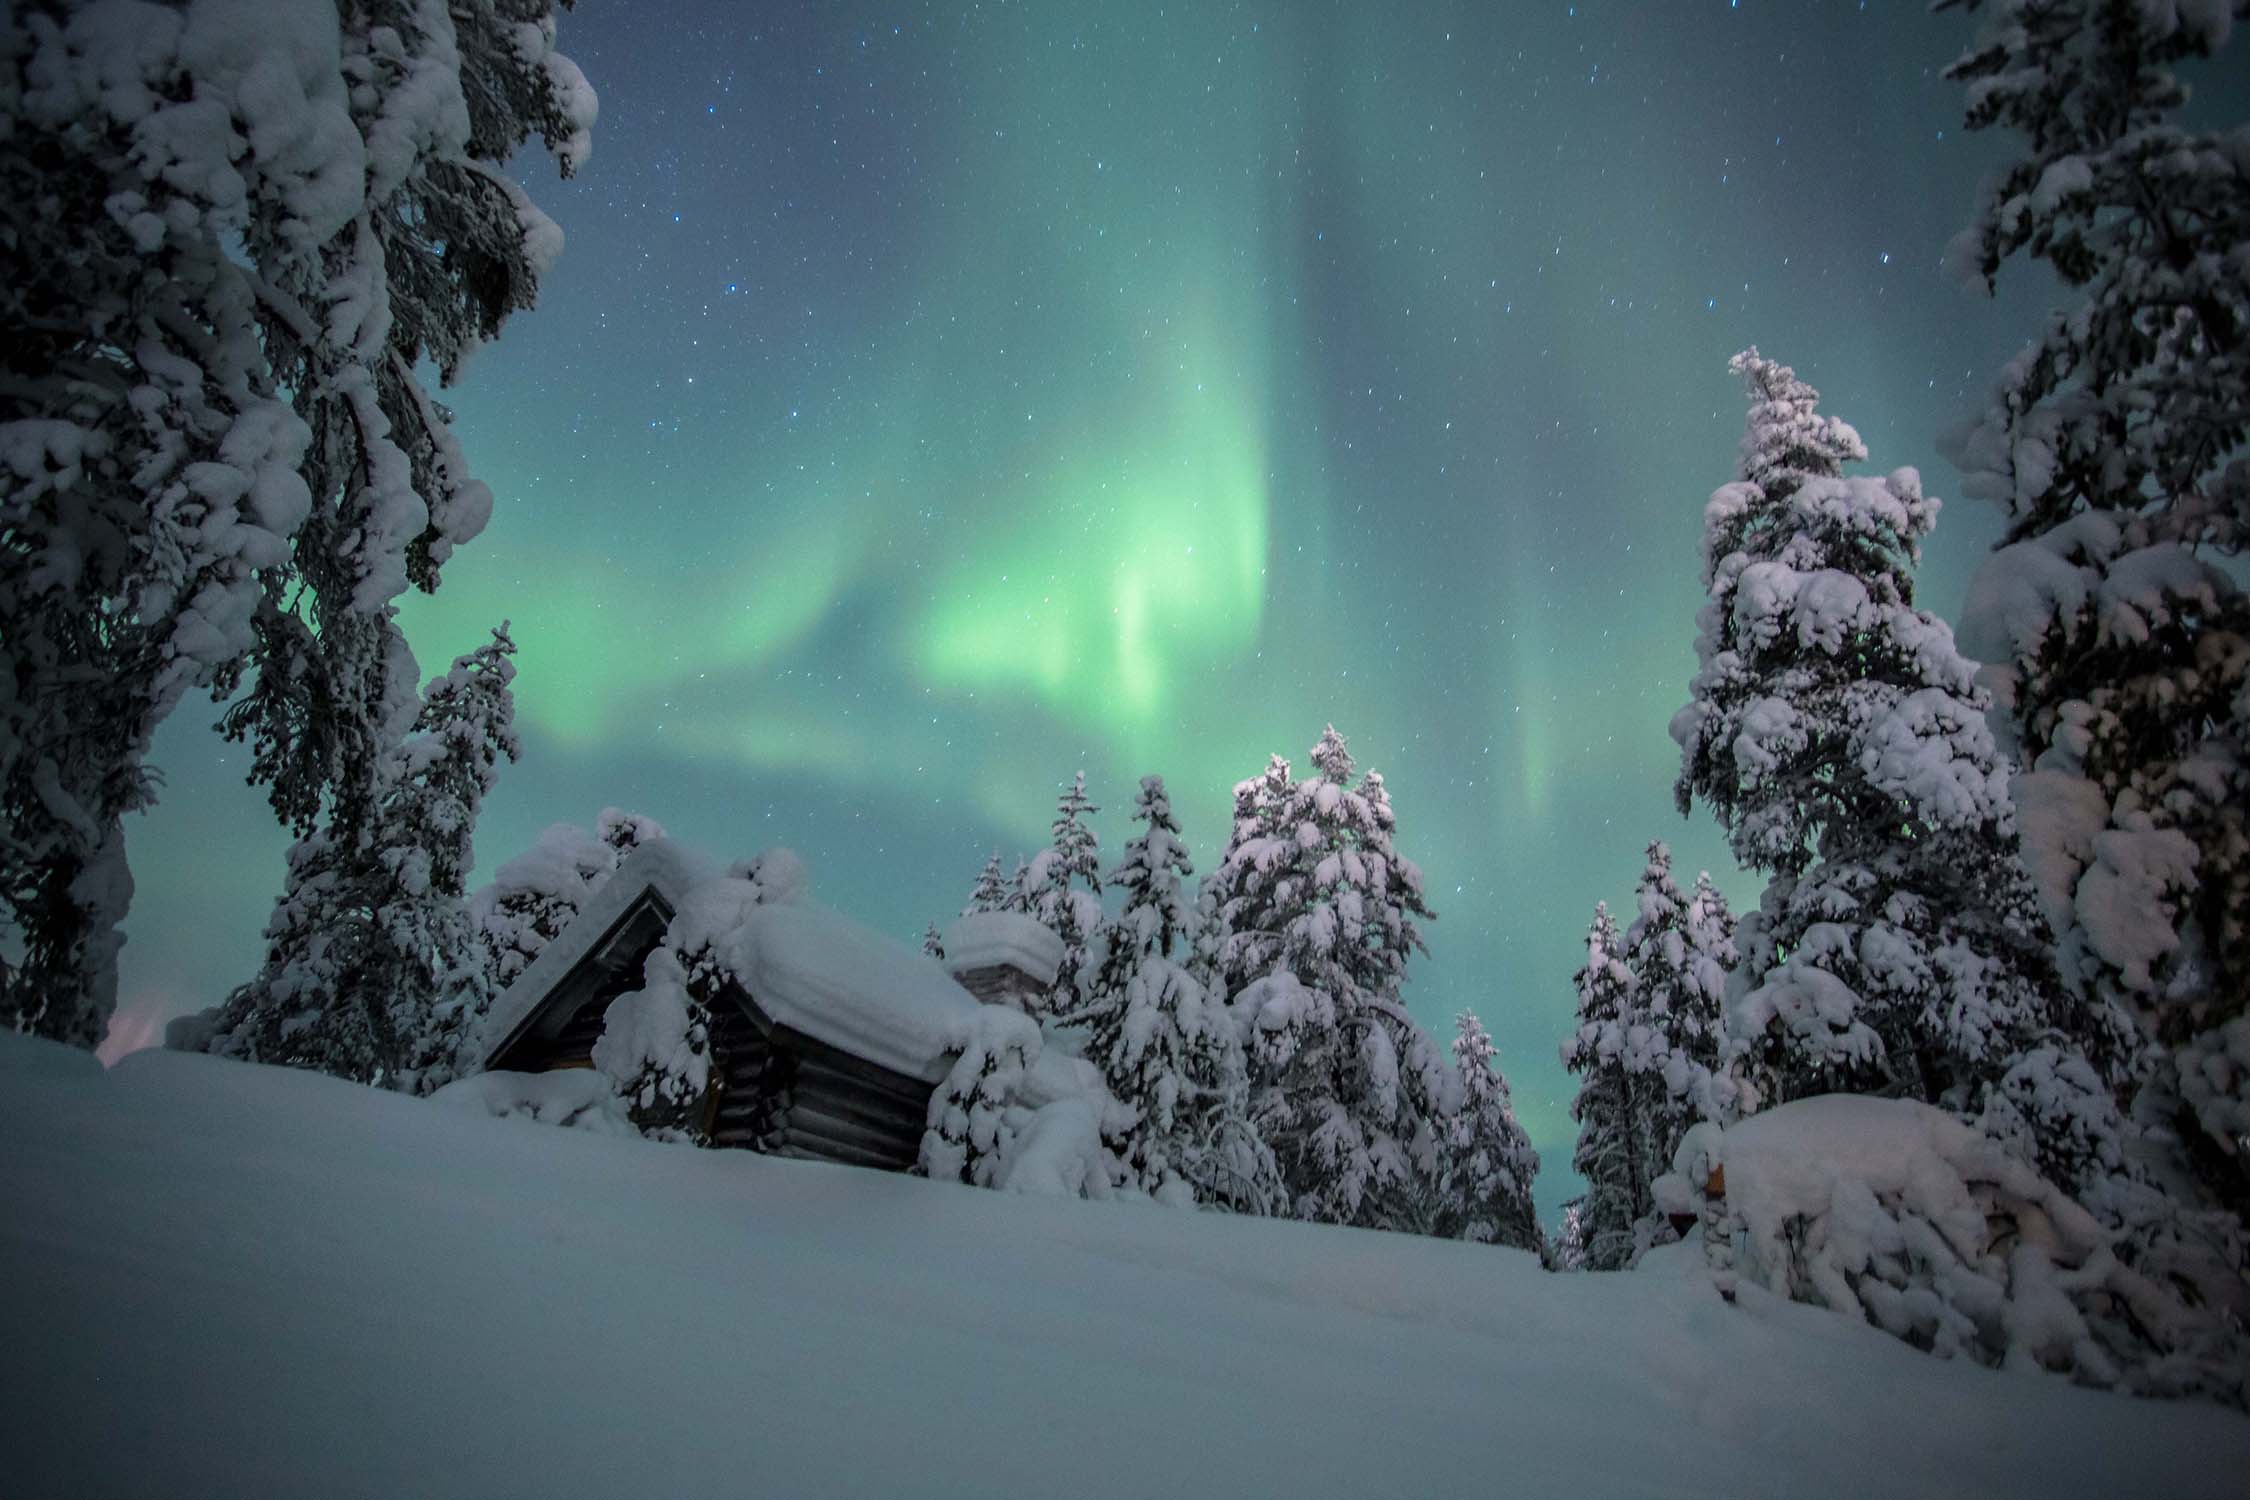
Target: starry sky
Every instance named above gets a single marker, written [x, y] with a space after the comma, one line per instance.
[934, 400]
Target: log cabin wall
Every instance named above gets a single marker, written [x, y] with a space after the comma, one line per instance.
[1002, 984]
[788, 1094]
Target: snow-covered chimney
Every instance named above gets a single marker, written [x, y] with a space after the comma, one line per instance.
[1003, 958]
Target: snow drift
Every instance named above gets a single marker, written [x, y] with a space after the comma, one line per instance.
[219, 1279]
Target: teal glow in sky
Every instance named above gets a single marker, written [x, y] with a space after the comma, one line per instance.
[934, 400]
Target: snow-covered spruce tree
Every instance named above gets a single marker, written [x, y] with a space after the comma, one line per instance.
[1346, 1089]
[1567, 1250]
[466, 729]
[991, 890]
[2112, 615]
[969, 1135]
[423, 260]
[933, 942]
[199, 233]
[1617, 1194]
[1167, 1050]
[1151, 872]
[1062, 888]
[1489, 1164]
[148, 467]
[1256, 805]
[1680, 949]
[1835, 730]
[371, 970]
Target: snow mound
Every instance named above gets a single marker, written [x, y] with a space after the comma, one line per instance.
[1897, 1212]
[575, 1098]
[987, 939]
[27, 1058]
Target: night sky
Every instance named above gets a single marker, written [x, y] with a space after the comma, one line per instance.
[935, 400]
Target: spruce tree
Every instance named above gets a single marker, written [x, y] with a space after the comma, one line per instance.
[216, 455]
[427, 265]
[1680, 949]
[1151, 871]
[1617, 1195]
[1323, 915]
[1062, 888]
[1256, 802]
[991, 890]
[1837, 733]
[1167, 1049]
[1231, 889]
[1489, 1162]
[371, 970]
[2113, 613]
[148, 462]
[1567, 1250]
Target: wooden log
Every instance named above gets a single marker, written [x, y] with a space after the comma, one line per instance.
[839, 1153]
[803, 1123]
[877, 1110]
[846, 1069]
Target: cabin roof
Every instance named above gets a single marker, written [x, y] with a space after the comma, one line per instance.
[821, 973]
[667, 869]
[803, 965]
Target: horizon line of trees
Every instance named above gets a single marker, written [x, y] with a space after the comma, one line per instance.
[1254, 1037]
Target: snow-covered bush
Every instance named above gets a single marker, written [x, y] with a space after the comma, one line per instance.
[970, 1135]
[655, 1046]
[1057, 1151]
[1896, 1212]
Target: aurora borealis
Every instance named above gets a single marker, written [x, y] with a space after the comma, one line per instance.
[934, 400]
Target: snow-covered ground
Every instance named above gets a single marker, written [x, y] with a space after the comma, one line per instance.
[218, 1279]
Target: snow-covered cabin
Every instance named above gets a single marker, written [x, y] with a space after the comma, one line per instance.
[827, 1038]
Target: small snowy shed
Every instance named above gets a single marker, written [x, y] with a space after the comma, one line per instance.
[826, 1039]
[1003, 957]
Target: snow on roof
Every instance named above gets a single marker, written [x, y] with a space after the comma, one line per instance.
[805, 966]
[987, 938]
[821, 973]
[670, 869]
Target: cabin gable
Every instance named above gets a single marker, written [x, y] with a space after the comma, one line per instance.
[560, 1031]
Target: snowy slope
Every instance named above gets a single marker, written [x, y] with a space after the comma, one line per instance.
[218, 1279]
